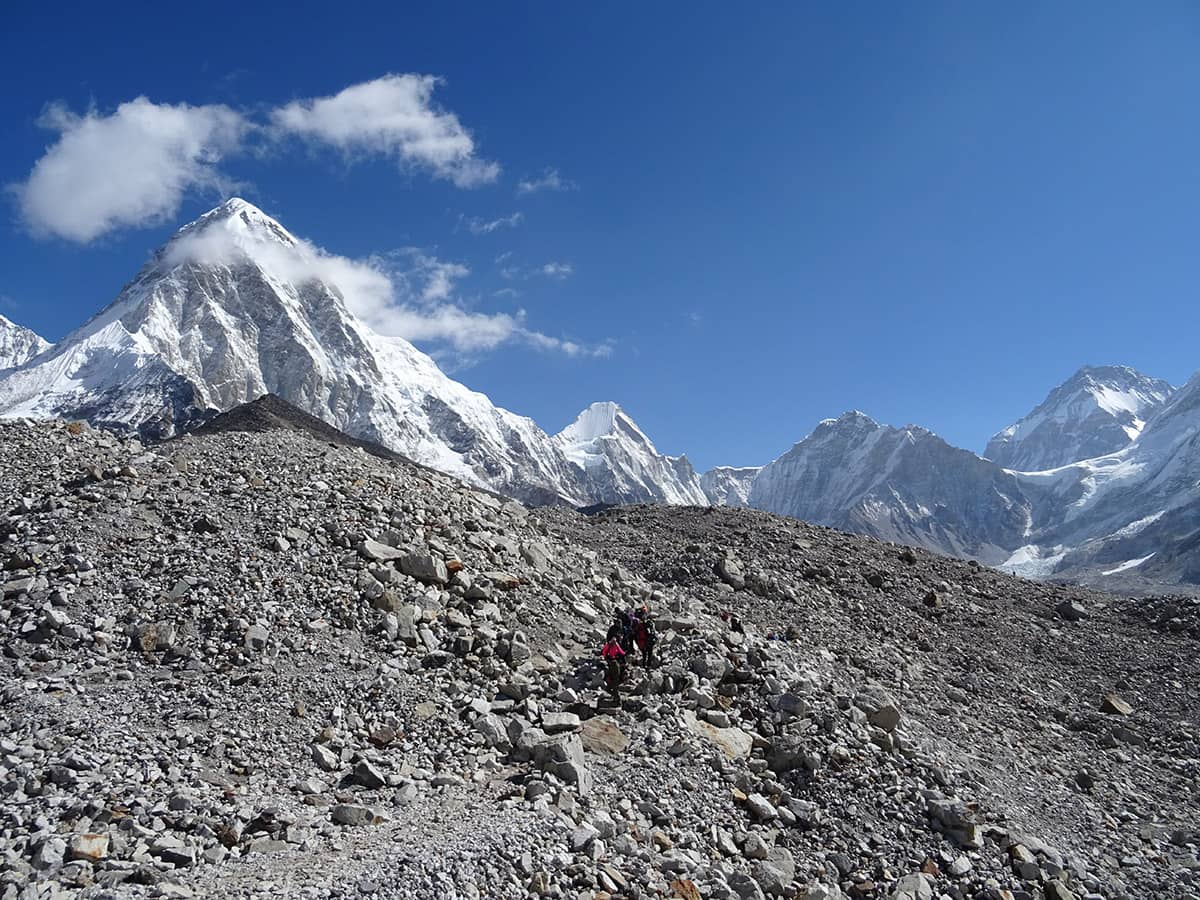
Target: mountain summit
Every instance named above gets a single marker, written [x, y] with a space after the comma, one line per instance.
[1098, 410]
[18, 345]
[234, 307]
[621, 462]
[900, 484]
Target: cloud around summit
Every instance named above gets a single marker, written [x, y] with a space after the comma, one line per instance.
[407, 293]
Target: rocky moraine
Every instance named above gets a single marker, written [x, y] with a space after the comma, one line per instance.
[266, 663]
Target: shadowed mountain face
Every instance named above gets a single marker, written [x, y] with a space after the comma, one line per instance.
[900, 484]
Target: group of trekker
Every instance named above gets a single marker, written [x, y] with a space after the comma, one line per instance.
[632, 629]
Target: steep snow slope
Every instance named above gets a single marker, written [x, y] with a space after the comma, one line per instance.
[729, 485]
[1097, 411]
[18, 345]
[233, 308]
[1134, 514]
[622, 464]
[902, 484]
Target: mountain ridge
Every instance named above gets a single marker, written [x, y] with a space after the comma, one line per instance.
[235, 307]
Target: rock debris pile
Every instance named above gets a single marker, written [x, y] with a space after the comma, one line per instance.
[262, 664]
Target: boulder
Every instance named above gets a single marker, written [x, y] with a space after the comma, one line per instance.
[602, 734]
[733, 742]
[537, 555]
[775, 873]
[912, 887]
[562, 756]
[1115, 706]
[378, 552]
[352, 815]
[1071, 610]
[89, 847]
[425, 568]
[730, 572]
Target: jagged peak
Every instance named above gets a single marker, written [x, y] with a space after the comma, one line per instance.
[237, 221]
[852, 417]
[1090, 375]
[598, 420]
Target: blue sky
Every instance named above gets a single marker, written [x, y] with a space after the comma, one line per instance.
[930, 212]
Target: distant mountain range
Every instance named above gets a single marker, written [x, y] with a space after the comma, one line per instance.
[1099, 483]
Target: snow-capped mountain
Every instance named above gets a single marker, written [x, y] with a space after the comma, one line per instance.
[233, 308]
[1133, 514]
[18, 345]
[729, 485]
[1101, 481]
[621, 463]
[899, 484]
[1099, 410]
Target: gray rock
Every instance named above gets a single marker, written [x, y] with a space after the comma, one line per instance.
[325, 758]
[378, 552]
[912, 887]
[537, 555]
[255, 639]
[775, 873]
[1071, 610]
[558, 722]
[731, 573]
[425, 568]
[563, 756]
[761, 808]
[745, 887]
[50, 854]
[368, 776]
[353, 815]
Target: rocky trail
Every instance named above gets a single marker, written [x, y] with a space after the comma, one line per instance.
[259, 663]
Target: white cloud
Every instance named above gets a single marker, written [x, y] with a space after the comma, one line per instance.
[131, 168]
[549, 180]
[393, 116]
[558, 270]
[511, 272]
[477, 225]
[408, 293]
